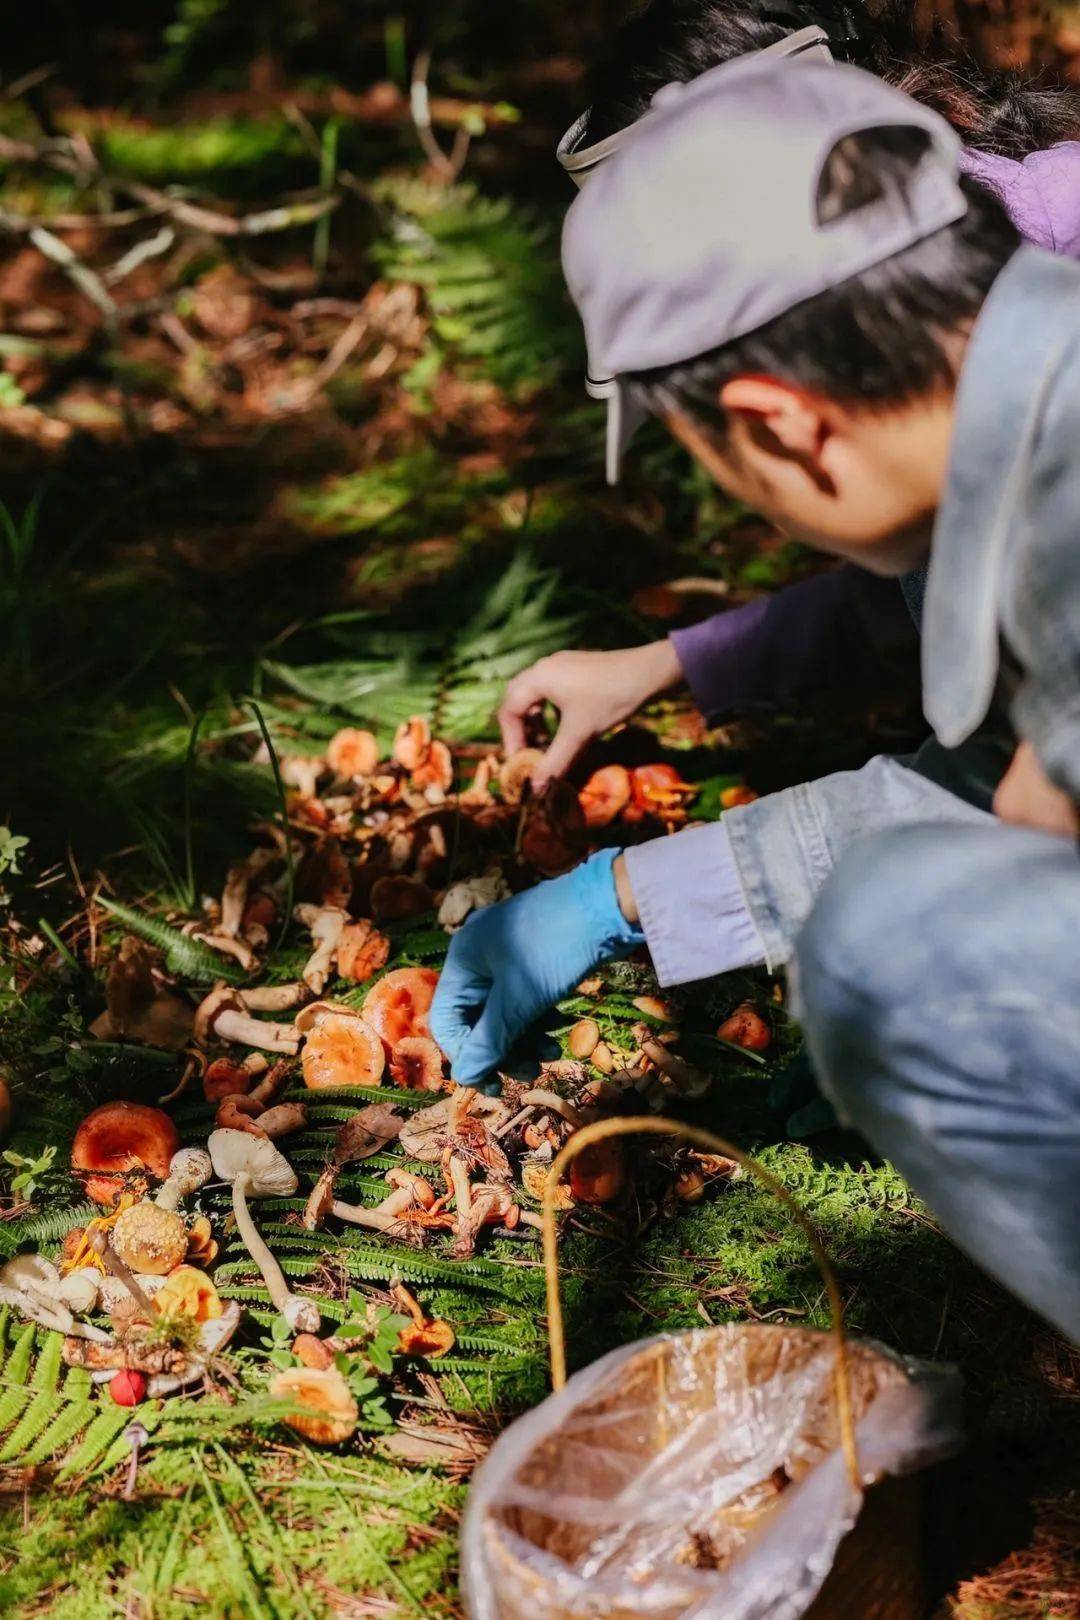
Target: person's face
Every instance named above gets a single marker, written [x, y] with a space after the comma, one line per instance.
[863, 485]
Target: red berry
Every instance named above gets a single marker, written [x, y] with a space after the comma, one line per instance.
[128, 1388]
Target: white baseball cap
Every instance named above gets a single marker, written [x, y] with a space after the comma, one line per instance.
[704, 225]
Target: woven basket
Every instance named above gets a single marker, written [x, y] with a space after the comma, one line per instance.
[627, 1422]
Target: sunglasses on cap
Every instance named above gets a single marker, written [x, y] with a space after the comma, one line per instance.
[578, 160]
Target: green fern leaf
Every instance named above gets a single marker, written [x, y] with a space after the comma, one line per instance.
[95, 1443]
[39, 1413]
[46, 1374]
[189, 959]
[72, 1417]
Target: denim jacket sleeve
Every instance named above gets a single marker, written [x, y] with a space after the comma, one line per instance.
[786, 845]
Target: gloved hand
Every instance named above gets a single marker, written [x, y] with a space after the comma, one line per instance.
[512, 961]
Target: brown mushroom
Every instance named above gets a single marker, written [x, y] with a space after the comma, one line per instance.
[137, 1007]
[583, 1038]
[224, 1078]
[365, 1133]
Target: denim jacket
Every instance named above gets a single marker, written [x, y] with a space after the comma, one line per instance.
[1004, 578]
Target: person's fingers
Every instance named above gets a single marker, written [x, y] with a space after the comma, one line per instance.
[459, 997]
[492, 1037]
[522, 694]
[566, 745]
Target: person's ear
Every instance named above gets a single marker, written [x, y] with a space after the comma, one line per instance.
[795, 420]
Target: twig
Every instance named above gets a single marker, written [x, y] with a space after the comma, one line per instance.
[88, 281]
[449, 167]
[151, 247]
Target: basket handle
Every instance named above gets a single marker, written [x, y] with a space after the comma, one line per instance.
[652, 1125]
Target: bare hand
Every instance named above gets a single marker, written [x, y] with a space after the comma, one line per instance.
[592, 691]
[1026, 797]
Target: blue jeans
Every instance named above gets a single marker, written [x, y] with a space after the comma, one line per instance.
[939, 983]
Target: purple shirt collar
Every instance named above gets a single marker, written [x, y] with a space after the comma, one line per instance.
[1041, 193]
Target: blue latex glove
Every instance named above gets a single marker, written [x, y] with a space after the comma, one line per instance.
[511, 962]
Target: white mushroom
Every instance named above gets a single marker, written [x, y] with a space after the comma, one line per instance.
[189, 1169]
[233, 897]
[471, 894]
[256, 1169]
[115, 1295]
[223, 1014]
[302, 773]
[81, 1289]
[32, 1285]
[243, 953]
[383, 1218]
[326, 924]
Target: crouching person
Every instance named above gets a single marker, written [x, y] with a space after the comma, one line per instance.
[850, 340]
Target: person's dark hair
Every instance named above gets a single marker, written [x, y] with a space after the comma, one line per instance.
[880, 338]
[668, 41]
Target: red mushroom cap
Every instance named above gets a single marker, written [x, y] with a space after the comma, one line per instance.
[128, 1387]
[120, 1138]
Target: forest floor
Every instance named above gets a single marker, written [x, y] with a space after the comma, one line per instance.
[343, 469]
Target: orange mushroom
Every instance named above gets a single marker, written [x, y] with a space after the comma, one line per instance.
[436, 770]
[361, 951]
[224, 1078]
[351, 753]
[411, 743]
[189, 1293]
[745, 1027]
[398, 1006]
[328, 1411]
[732, 797]
[605, 795]
[658, 790]
[340, 1047]
[120, 1147]
[598, 1174]
[311, 1351]
[417, 1064]
[516, 774]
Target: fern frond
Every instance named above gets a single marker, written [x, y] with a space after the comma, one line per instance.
[189, 959]
[48, 1226]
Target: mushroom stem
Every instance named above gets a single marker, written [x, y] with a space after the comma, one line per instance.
[380, 1219]
[229, 947]
[284, 1300]
[233, 897]
[232, 1025]
[271, 1083]
[274, 997]
[555, 1105]
[515, 1119]
[112, 1262]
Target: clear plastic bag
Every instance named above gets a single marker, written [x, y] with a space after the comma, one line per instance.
[695, 1476]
